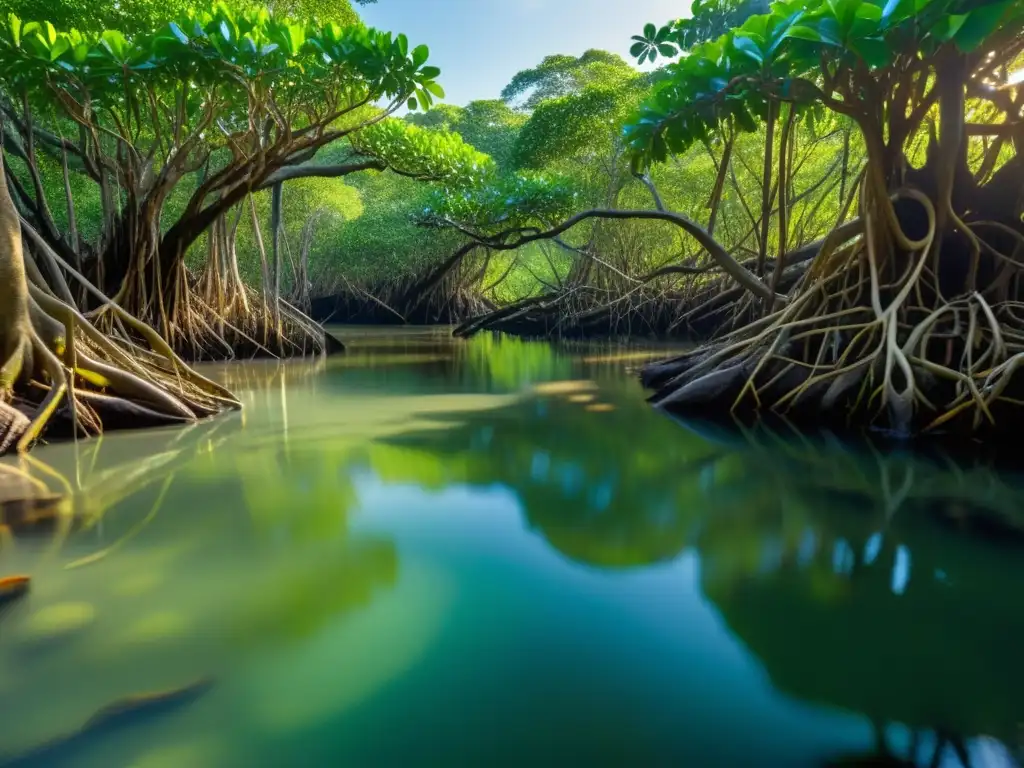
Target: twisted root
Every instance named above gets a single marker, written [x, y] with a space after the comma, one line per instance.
[868, 337]
[61, 354]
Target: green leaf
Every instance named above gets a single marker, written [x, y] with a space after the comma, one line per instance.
[430, 73]
[419, 55]
[412, 103]
[115, 44]
[801, 32]
[435, 89]
[748, 48]
[896, 11]
[176, 31]
[14, 23]
[659, 149]
[829, 32]
[667, 50]
[979, 24]
[866, 25]
[745, 121]
[61, 45]
[637, 48]
[403, 45]
[650, 31]
[845, 11]
[296, 37]
[948, 26]
[869, 12]
[874, 51]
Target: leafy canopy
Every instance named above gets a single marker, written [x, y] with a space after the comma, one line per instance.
[844, 54]
[708, 20]
[562, 75]
[92, 16]
[219, 49]
[436, 155]
[584, 123]
[503, 202]
[489, 125]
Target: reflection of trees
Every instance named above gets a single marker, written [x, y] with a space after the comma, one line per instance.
[594, 496]
[867, 582]
[238, 539]
[840, 571]
[80, 483]
[860, 581]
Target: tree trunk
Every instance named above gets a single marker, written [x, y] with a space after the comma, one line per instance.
[275, 233]
[14, 317]
[716, 194]
[766, 188]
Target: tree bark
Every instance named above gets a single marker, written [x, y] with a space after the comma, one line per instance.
[14, 317]
[766, 187]
[275, 238]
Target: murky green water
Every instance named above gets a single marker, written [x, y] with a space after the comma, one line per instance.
[431, 552]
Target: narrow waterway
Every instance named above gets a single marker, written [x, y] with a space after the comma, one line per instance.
[493, 552]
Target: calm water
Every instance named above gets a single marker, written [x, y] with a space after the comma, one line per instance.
[432, 552]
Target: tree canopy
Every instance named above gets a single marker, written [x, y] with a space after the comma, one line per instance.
[186, 120]
[852, 57]
[562, 75]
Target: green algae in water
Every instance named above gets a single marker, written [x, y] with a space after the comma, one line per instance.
[432, 552]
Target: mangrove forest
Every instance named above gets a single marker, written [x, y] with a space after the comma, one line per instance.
[647, 398]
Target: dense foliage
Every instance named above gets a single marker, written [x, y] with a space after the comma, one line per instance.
[177, 126]
[139, 159]
[851, 57]
[221, 170]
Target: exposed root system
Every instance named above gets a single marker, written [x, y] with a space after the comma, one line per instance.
[867, 337]
[57, 360]
[443, 296]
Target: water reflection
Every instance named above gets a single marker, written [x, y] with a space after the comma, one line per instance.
[349, 551]
[876, 584]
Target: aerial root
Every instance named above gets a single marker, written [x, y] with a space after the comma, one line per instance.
[857, 343]
[85, 373]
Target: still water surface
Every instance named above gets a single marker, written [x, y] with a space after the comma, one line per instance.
[438, 552]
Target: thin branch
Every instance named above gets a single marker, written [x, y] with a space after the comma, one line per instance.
[645, 179]
[713, 247]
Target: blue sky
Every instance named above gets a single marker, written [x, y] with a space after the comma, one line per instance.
[480, 44]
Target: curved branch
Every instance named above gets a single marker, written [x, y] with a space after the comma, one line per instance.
[715, 249]
[320, 171]
[420, 289]
[645, 179]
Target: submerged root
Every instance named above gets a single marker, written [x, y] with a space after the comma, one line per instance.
[867, 338]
